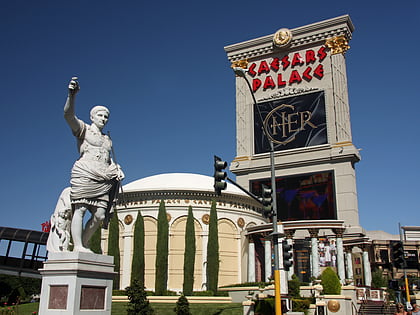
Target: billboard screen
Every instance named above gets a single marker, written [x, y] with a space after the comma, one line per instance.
[292, 122]
[302, 197]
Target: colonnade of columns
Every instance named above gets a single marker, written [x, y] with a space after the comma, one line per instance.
[344, 262]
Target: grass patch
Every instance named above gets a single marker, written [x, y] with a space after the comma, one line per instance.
[22, 309]
[120, 308]
[196, 309]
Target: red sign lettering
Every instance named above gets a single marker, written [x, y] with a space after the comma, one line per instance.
[264, 69]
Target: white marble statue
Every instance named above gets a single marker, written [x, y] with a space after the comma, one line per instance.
[59, 237]
[95, 178]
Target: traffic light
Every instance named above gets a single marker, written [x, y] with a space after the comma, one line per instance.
[267, 201]
[219, 175]
[397, 255]
[287, 255]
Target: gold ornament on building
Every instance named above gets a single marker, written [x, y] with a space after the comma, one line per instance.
[168, 217]
[337, 44]
[240, 64]
[282, 37]
[241, 222]
[205, 218]
[128, 219]
[333, 306]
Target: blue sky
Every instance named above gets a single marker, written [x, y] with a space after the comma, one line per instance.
[161, 68]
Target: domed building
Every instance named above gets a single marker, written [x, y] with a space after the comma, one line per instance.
[236, 213]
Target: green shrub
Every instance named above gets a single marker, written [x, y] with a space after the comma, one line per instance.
[330, 281]
[265, 306]
[294, 287]
[378, 279]
[182, 306]
[138, 302]
[301, 305]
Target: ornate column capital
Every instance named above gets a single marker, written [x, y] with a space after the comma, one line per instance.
[313, 233]
[364, 247]
[289, 233]
[348, 249]
[337, 44]
[339, 232]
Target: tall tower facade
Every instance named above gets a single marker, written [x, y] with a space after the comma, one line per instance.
[294, 95]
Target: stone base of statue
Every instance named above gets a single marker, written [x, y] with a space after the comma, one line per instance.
[76, 283]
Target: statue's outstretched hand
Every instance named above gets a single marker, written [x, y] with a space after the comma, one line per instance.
[120, 173]
[74, 86]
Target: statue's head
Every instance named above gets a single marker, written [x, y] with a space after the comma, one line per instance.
[99, 116]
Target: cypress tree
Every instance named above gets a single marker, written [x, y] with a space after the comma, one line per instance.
[189, 254]
[95, 242]
[161, 275]
[212, 268]
[114, 247]
[137, 266]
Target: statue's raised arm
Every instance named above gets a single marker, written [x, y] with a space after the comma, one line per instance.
[69, 113]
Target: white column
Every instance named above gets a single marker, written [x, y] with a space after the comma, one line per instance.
[267, 259]
[314, 252]
[127, 260]
[251, 261]
[340, 255]
[204, 242]
[349, 264]
[366, 267]
[283, 273]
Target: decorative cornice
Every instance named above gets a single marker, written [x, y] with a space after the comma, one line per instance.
[234, 201]
[311, 34]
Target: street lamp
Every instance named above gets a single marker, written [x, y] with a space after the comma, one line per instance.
[241, 72]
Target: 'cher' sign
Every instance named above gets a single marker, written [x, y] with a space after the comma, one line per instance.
[292, 122]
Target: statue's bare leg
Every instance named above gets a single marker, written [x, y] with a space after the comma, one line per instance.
[98, 215]
[77, 228]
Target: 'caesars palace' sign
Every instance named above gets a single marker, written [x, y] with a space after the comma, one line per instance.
[288, 70]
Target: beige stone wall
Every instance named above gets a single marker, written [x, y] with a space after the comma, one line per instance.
[233, 215]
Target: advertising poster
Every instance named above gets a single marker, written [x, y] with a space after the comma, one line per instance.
[327, 252]
[302, 197]
[292, 122]
[301, 259]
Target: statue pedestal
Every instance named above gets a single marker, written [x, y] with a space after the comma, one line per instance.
[76, 283]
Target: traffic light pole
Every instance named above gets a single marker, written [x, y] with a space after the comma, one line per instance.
[407, 289]
[275, 235]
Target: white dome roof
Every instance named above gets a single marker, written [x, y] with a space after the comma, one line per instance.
[178, 181]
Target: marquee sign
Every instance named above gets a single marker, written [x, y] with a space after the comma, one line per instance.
[292, 122]
[288, 70]
[308, 196]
